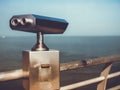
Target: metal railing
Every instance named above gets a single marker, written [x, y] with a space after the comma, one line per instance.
[101, 80]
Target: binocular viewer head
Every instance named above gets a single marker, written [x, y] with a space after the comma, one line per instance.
[35, 23]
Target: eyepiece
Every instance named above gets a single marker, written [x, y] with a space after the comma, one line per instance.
[25, 21]
[15, 21]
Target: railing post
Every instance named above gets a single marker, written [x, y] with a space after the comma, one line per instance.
[102, 85]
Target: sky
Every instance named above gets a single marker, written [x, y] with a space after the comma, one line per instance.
[85, 17]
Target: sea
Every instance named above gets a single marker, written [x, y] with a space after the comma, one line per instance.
[72, 48]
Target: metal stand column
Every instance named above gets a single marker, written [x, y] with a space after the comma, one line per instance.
[43, 67]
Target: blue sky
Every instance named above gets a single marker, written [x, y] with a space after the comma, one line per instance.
[85, 17]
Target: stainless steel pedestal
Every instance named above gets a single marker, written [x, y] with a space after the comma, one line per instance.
[43, 68]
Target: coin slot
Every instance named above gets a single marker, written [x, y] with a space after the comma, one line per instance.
[45, 65]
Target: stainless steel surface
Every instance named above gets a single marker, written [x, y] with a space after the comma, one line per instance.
[43, 67]
[35, 23]
[40, 46]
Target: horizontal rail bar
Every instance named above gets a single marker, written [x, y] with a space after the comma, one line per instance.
[90, 81]
[18, 74]
[12, 75]
[113, 75]
[89, 62]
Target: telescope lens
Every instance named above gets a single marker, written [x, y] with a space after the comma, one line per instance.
[26, 21]
[23, 21]
[14, 22]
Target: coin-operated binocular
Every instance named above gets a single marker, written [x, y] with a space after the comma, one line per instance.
[41, 62]
[40, 25]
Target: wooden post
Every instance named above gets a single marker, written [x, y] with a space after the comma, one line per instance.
[105, 72]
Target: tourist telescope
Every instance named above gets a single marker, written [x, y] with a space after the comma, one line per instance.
[40, 25]
[35, 23]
